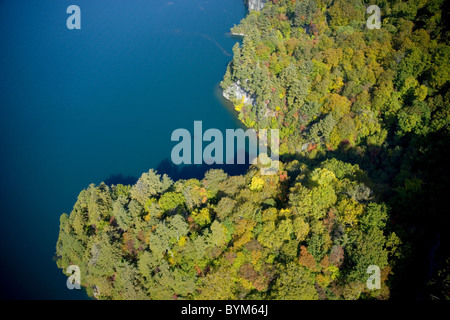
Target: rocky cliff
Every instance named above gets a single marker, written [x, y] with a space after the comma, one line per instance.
[255, 5]
[235, 93]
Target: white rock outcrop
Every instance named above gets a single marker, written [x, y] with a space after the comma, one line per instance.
[255, 5]
[235, 93]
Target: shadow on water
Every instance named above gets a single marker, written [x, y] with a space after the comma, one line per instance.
[177, 172]
[120, 179]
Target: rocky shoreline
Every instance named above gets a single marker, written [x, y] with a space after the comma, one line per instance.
[235, 92]
[255, 5]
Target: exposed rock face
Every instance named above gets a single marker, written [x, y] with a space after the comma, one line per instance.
[236, 93]
[255, 5]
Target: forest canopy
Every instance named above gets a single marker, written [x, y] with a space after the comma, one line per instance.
[301, 234]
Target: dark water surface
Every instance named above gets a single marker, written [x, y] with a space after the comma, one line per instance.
[100, 103]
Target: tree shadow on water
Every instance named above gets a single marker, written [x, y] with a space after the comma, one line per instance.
[178, 172]
[197, 171]
[120, 179]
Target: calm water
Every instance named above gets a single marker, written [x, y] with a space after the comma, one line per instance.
[83, 106]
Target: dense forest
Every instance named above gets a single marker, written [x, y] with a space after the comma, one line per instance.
[363, 116]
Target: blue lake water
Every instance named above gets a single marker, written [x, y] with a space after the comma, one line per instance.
[85, 106]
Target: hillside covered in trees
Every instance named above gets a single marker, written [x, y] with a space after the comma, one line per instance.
[363, 116]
